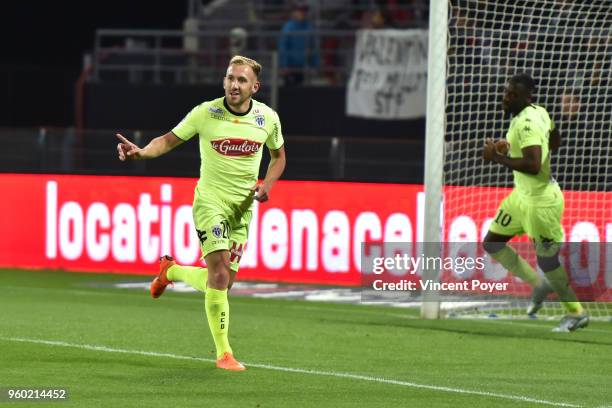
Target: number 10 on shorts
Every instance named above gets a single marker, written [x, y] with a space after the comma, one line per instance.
[503, 219]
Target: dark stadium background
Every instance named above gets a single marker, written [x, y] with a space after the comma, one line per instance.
[43, 45]
[42, 51]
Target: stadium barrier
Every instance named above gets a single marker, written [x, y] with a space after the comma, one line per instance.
[309, 232]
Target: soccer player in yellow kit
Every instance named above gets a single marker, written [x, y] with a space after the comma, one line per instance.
[535, 205]
[232, 131]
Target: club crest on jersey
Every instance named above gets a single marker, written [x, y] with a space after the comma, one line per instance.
[217, 231]
[215, 110]
[260, 120]
[235, 147]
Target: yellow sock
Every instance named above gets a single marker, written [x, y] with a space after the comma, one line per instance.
[517, 265]
[217, 312]
[192, 275]
[559, 282]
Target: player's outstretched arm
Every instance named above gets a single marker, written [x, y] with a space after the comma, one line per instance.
[156, 147]
[275, 170]
[530, 163]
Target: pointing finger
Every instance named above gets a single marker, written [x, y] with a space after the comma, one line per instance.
[123, 139]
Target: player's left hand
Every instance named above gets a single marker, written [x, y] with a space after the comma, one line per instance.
[488, 150]
[261, 192]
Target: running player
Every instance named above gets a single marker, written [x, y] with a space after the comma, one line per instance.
[232, 131]
[535, 205]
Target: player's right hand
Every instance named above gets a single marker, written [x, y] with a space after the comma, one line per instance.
[488, 150]
[127, 149]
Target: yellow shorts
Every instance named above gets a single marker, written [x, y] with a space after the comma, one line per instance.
[542, 224]
[221, 227]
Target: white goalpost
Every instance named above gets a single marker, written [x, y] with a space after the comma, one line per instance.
[474, 47]
[434, 145]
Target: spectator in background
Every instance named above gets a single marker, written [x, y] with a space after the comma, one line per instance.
[332, 58]
[570, 104]
[238, 40]
[297, 48]
[590, 78]
[374, 19]
[403, 13]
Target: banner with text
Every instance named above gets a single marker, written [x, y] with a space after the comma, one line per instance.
[389, 76]
[309, 232]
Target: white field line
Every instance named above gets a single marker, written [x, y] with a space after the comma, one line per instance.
[408, 384]
[537, 326]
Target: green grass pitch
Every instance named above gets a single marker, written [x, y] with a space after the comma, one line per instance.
[118, 347]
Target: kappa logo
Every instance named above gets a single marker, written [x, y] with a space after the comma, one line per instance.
[201, 236]
[235, 147]
[215, 110]
[217, 231]
[260, 120]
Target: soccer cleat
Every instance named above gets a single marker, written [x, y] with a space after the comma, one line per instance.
[538, 295]
[228, 362]
[161, 281]
[572, 323]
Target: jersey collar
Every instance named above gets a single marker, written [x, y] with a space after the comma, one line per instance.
[236, 113]
[531, 105]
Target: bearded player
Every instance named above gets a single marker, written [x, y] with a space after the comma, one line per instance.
[535, 205]
[232, 131]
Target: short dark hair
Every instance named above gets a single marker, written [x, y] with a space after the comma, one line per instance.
[525, 80]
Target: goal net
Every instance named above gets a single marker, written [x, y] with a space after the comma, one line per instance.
[565, 46]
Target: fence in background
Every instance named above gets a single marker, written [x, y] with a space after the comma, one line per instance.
[67, 151]
[201, 57]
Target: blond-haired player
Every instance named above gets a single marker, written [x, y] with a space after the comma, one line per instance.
[232, 132]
